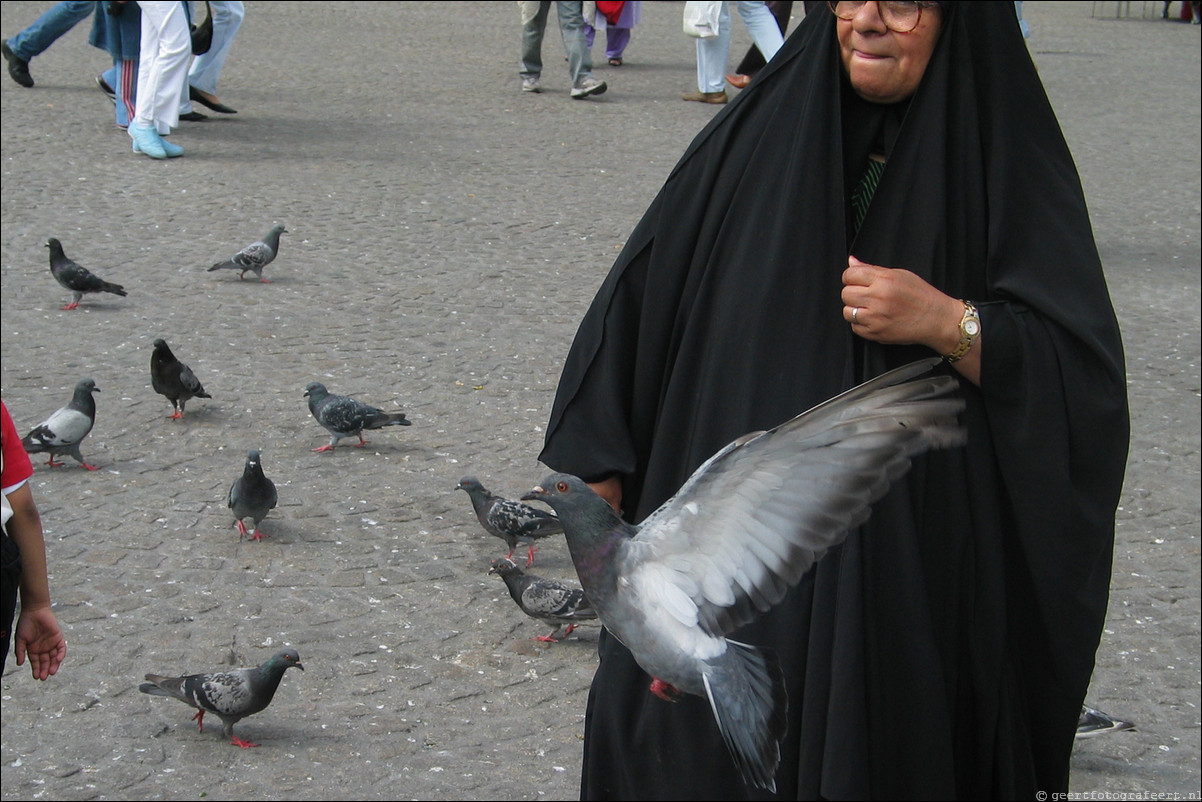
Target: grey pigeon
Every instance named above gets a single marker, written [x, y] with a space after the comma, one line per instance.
[252, 495]
[512, 521]
[63, 431]
[343, 416]
[75, 278]
[545, 599]
[233, 695]
[743, 529]
[256, 256]
[1093, 723]
[173, 379]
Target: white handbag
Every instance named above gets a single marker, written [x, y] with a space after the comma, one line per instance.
[701, 18]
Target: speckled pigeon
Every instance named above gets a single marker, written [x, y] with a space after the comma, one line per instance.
[743, 529]
[512, 521]
[63, 431]
[252, 495]
[545, 599]
[343, 416]
[76, 278]
[173, 379]
[256, 256]
[233, 695]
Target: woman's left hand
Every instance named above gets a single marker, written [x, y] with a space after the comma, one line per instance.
[896, 307]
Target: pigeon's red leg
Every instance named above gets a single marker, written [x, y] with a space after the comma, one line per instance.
[52, 463]
[361, 442]
[568, 631]
[664, 690]
[90, 467]
[265, 281]
[547, 638]
[241, 528]
[71, 306]
[530, 556]
[175, 415]
[258, 535]
[326, 447]
[236, 741]
[199, 718]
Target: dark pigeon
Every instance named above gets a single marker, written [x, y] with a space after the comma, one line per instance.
[252, 495]
[232, 695]
[63, 431]
[343, 416]
[1093, 723]
[744, 528]
[548, 600]
[173, 379]
[512, 521]
[256, 256]
[75, 278]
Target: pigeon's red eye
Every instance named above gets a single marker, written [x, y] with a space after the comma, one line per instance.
[562, 487]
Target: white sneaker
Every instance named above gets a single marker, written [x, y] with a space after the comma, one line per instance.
[589, 86]
[530, 83]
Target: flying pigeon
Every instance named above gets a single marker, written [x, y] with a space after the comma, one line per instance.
[343, 416]
[171, 378]
[78, 280]
[63, 431]
[252, 495]
[545, 599]
[741, 530]
[233, 695]
[512, 521]
[256, 256]
[1094, 722]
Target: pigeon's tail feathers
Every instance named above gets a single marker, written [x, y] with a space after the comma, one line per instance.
[389, 419]
[228, 263]
[746, 691]
[37, 440]
[115, 289]
[171, 687]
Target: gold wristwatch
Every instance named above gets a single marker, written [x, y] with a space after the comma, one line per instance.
[970, 330]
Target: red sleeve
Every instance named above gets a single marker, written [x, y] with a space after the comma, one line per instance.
[17, 467]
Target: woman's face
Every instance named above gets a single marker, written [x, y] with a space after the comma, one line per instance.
[885, 66]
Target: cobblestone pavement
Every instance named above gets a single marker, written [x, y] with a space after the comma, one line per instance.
[446, 232]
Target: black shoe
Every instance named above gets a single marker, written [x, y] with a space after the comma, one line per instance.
[104, 87]
[196, 97]
[193, 117]
[17, 68]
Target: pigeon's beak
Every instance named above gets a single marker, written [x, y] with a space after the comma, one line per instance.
[536, 493]
[299, 665]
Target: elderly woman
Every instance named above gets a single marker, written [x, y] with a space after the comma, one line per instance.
[894, 186]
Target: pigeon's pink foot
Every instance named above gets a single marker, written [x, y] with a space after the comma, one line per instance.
[241, 528]
[664, 691]
[326, 447]
[54, 464]
[568, 631]
[546, 639]
[264, 281]
[90, 467]
[258, 535]
[361, 442]
[236, 741]
[175, 415]
[530, 556]
[70, 306]
[199, 718]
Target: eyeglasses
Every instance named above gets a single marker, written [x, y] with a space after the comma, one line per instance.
[899, 17]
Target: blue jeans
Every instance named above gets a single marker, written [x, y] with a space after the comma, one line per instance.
[206, 68]
[60, 18]
[712, 53]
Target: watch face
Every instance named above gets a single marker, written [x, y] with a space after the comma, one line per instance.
[972, 327]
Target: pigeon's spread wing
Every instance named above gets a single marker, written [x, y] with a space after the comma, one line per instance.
[758, 514]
